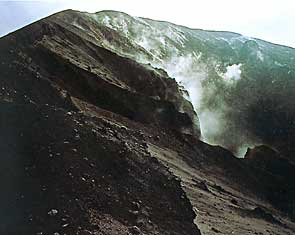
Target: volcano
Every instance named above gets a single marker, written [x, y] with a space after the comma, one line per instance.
[108, 121]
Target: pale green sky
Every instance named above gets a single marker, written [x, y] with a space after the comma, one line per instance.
[271, 20]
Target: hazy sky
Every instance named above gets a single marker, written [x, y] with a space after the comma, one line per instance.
[272, 20]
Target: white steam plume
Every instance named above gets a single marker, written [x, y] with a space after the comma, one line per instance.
[208, 82]
[233, 72]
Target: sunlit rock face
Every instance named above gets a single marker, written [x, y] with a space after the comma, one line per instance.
[242, 88]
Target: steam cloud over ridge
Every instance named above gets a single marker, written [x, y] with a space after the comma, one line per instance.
[233, 81]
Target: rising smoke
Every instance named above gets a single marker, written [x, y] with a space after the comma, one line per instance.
[214, 87]
[211, 99]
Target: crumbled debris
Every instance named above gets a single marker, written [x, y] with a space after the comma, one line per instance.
[259, 212]
[52, 212]
[215, 230]
[234, 201]
[135, 230]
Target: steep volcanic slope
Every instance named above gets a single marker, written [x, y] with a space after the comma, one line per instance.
[68, 170]
[75, 64]
[96, 143]
[89, 172]
[232, 80]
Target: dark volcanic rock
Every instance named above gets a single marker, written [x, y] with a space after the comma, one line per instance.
[41, 172]
[57, 53]
[260, 213]
[67, 165]
[91, 142]
[279, 177]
